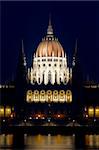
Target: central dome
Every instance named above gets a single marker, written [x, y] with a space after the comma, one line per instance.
[50, 46]
[49, 64]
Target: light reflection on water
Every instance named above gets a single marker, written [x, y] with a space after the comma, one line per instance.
[92, 140]
[48, 142]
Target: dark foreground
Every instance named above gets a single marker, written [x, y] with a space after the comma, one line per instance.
[50, 129]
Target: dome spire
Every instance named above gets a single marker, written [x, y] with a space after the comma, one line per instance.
[49, 19]
[50, 29]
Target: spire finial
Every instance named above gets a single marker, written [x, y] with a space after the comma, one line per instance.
[50, 19]
[50, 30]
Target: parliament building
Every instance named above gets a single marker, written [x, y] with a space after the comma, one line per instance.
[50, 90]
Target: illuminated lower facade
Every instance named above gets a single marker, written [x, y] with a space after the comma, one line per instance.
[49, 96]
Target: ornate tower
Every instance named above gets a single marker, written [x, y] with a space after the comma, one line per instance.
[76, 82]
[21, 76]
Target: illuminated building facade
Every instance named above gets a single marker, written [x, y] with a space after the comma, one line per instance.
[50, 88]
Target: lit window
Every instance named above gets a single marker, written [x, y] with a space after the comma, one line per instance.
[91, 111]
[55, 96]
[7, 111]
[42, 96]
[97, 111]
[68, 96]
[49, 95]
[36, 96]
[61, 96]
[29, 96]
[1, 111]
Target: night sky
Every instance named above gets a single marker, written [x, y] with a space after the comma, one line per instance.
[29, 21]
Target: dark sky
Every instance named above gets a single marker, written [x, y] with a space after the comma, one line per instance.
[29, 21]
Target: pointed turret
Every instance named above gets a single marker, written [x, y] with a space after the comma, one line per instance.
[21, 80]
[23, 55]
[21, 76]
[75, 54]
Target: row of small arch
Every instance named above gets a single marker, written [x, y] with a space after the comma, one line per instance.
[54, 96]
[49, 92]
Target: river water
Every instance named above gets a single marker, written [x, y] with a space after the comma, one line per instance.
[49, 142]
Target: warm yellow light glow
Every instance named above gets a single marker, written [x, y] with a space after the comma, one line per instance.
[9, 139]
[55, 96]
[49, 96]
[39, 115]
[86, 116]
[61, 96]
[36, 96]
[97, 111]
[68, 96]
[91, 140]
[11, 115]
[7, 111]
[42, 96]
[91, 111]
[1, 111]
[58, 116]
[29, 96]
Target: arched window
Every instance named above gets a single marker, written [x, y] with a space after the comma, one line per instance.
[49, 76]
[60, 80]
[55, 77]
[61, 96]
[68, 96]
[1, 111]
[29, 96]
[34, 80]
[43, 76]
[38, 80]
[91, 111]
[55, 96]
[97, 111]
